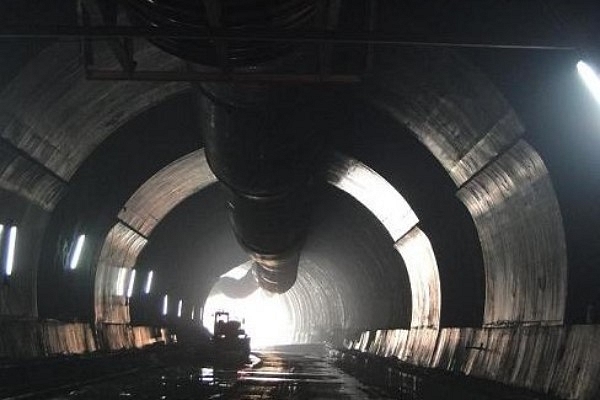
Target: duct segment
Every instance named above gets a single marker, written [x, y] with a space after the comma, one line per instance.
[266, 153]
[276, 273]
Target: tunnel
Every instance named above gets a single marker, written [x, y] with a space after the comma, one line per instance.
[407, 189]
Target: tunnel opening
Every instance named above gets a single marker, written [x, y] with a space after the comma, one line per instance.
[311, 312]
[266, 317]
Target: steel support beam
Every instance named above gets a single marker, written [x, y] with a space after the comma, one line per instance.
[107, 32]
[191, 76]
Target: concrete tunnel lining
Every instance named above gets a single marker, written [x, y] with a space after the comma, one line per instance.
[183, 177]
[469, 127]
[437, 136]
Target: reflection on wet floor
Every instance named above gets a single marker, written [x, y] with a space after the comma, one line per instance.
[271, 376]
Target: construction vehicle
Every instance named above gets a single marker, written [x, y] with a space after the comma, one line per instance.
[231, 344]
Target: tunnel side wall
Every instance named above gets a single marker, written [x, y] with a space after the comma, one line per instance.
[558, 360]
[503, 182]
[454, 111]
[448, 106]
[49, 125]
[29, 339]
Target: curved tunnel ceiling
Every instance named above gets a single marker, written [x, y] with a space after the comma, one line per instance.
[431, 126]
[184, 177]
[44, 140]
[467, 128]
[167, 188]
[436, 96]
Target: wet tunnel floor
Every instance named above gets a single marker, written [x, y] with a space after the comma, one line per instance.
[273, 375]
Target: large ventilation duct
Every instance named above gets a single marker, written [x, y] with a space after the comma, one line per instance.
[257, 142]
[266, 152]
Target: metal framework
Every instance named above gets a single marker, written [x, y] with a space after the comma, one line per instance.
[121, 38]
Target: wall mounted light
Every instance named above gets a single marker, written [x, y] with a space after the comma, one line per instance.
[590, 78]
[9, 261]
[149, 282]
[165, 309]
[121, 279]
[76, 254]
[131, 283]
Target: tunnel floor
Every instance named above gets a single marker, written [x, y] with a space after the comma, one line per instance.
[272, 375]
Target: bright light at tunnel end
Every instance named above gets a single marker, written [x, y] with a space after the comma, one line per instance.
[268, 318]
[590, 78]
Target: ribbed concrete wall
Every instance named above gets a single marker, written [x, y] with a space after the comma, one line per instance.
[519, 223]
[28, 339]
[50, 124]
[138, 217]
[396, 215]
[557, 360]
[472, 131]
[152, 201]
[117, 258]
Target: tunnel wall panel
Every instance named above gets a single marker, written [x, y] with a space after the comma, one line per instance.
[165, 189]
[28, 179]
[535, 353]
[372, 191]
[452, 349]
[416, 346]
[20, 339]
[379, 343]
[419, 258]
[420, 346]
[372, 278]
[28, 339]
[524, 356]
[316, 301]
[50, 110]
[473, 132]
[398, 342]
[487, 358]
[449, 106]
[577, 376]
[67, 338]
[395, 214]
[518, 220]
[117, 336]
[558, 360]
[119, 253]
[389, 343]
[146, 335]
[362, 344]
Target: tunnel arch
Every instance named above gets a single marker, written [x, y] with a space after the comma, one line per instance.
[445, 103]
[136, 220]
[313, 310]
[467, 127]
[189, 174]
[476, 136]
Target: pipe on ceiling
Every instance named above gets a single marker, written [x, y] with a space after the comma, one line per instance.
[266, 150]
[257, 141]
